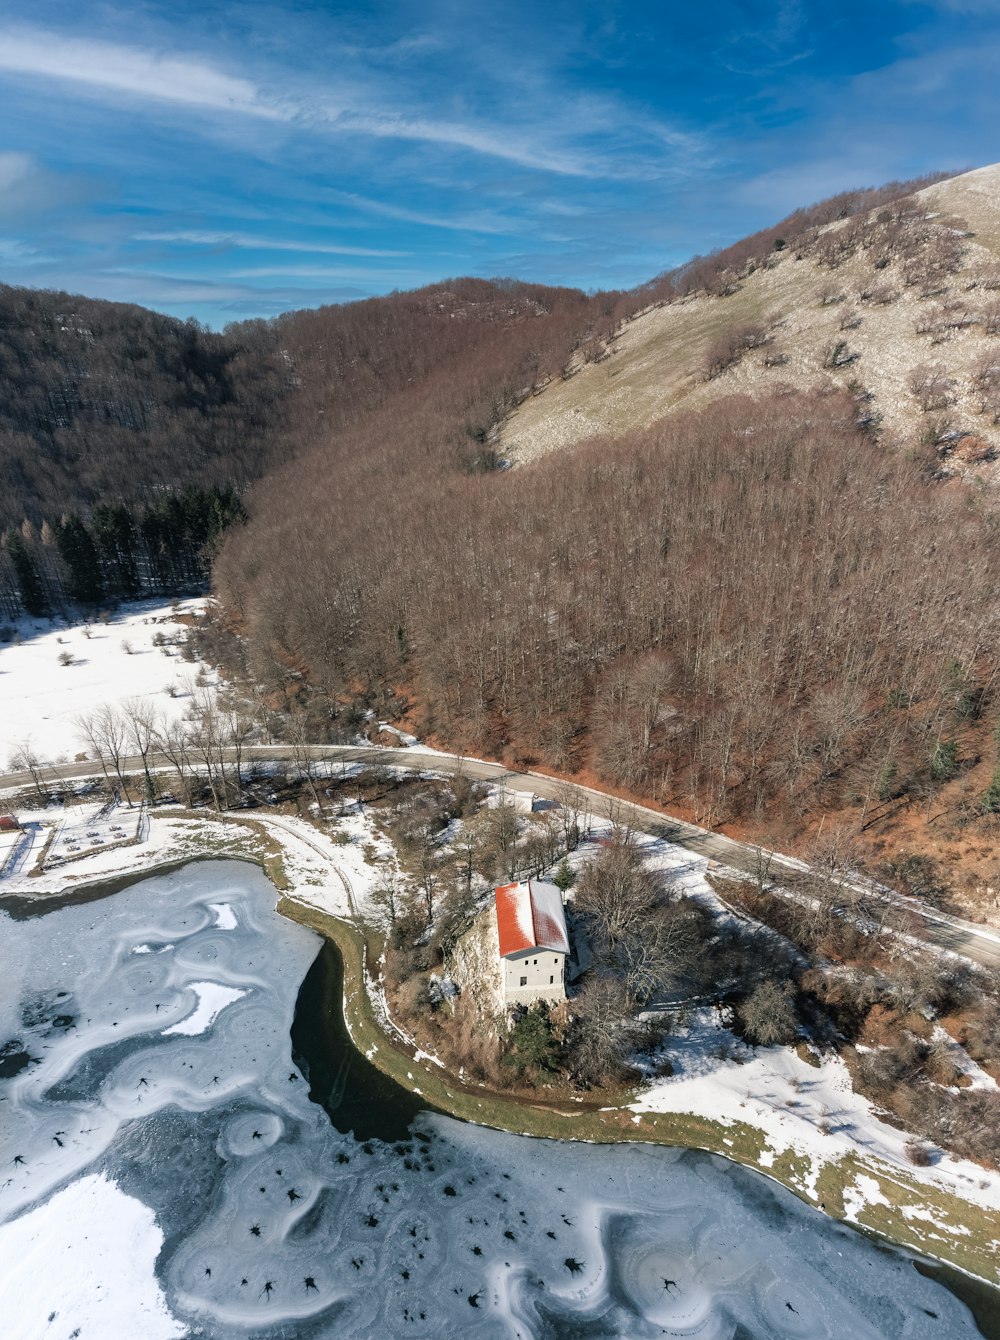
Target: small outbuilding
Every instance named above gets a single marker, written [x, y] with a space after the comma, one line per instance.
[534, 944]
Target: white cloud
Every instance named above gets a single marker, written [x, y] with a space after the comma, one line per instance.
[194, 237]
[506, 145]
[544, 133]
[325, 272]
[118, 69]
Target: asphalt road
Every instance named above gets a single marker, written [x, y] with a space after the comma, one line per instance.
[962, 937]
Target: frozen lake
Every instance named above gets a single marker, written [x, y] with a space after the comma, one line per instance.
[164, 1172]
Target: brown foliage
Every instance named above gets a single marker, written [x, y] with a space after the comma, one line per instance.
[717, 606]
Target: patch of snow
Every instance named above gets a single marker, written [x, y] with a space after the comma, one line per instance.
[923, 1213]
[213, 998]
[863, 1191]
[811, 1111]
[225, 917]
[83, 1264]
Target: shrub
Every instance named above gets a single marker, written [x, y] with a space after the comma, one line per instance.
[839, 356]
[918, 1153]
[932, 387]
[991, 798]
[944, 761]
[531, 1043]
[768, 1014]
[729, 348]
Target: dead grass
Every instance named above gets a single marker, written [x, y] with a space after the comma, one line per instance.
[655, 362]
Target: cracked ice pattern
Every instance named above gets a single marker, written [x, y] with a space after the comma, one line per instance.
[204, 1152]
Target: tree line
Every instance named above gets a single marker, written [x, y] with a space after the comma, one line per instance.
[119, 552]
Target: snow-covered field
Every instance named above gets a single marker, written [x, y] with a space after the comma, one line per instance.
[166, 1182]
[40, 698]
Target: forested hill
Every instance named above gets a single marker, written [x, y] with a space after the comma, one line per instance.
[105, 403]
[762, 612]
[127, 439]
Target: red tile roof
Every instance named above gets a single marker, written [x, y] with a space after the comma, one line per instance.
[530, 916]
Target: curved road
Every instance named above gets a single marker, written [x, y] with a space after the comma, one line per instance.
[961, 937]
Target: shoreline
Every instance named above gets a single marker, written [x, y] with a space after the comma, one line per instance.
[967, 1249]
[968, 1267]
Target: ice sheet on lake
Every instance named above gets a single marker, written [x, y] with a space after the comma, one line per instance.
[273, 1222]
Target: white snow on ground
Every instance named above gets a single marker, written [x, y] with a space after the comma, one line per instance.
[960, 1058]
[41, 699]
[809, 1110]
[83, 828]
[331, 870]
[84, 1260]
[864, 1191]
[213, 998]
[812, 1111]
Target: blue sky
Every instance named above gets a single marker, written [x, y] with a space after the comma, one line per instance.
[235, 160]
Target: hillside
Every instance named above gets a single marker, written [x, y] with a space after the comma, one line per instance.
[859, 303]
[109, 403]
[753, 609]
[758, 599]
[147, 431]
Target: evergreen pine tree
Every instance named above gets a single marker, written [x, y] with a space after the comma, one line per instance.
[114, 532]
[564, 877]
[80, 556]
[32, 591]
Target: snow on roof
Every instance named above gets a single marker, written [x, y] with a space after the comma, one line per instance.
[530, 916]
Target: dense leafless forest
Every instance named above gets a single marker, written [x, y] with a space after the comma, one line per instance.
[105, 403]
[120, 427]
[755, 605]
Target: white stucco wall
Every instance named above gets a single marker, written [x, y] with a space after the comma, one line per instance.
[544, 974]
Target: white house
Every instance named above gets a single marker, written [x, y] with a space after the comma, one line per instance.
[531, 927]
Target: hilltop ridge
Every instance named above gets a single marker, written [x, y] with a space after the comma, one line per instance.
[860, 303]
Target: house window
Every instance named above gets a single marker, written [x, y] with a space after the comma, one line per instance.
[524, 981]
[551, 980]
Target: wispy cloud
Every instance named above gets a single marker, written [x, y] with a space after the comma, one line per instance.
[209, 157]
[508, 146]
[194, 237]
[487, 222]
[14, 168]
[133, 71]
[560, 141]
[325, 272]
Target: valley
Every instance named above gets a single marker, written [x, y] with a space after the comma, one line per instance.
[319, 633]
